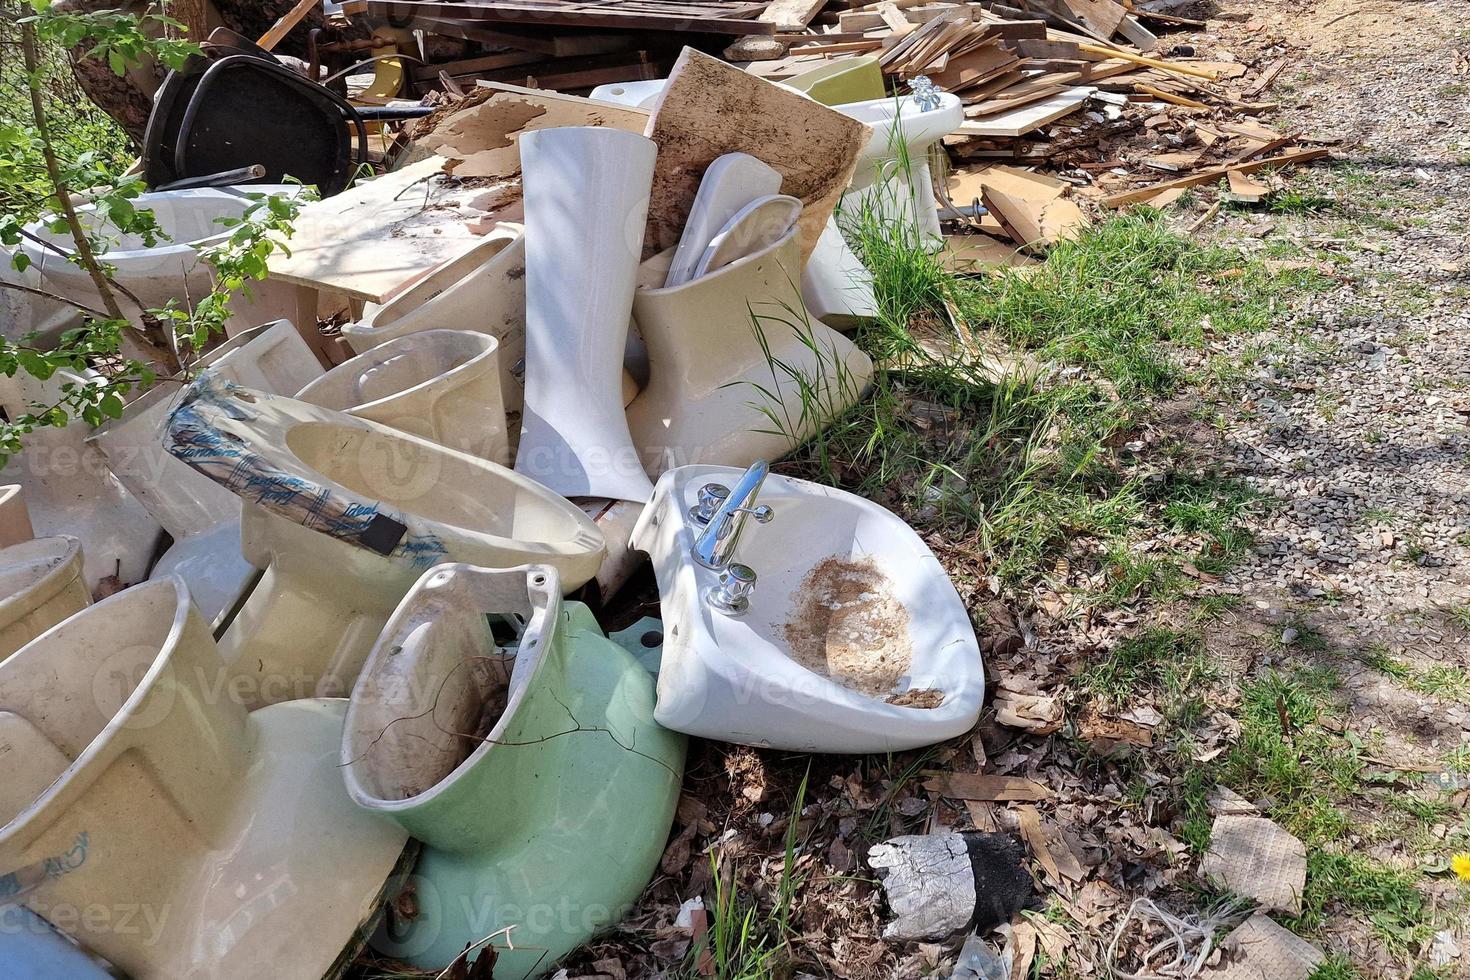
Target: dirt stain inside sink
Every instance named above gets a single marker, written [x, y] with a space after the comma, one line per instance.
[848, 626]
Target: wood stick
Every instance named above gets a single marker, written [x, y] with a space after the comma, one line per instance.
[1139, 59]
[283, 26]
[1163, 96]
[1209, 174]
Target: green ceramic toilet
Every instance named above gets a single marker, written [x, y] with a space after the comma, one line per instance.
[497, 724]
[843, 81]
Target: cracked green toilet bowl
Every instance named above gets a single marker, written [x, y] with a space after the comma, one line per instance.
[531, 768]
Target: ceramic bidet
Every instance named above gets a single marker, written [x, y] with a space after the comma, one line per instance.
[132, 788]
[717, 390]
[69, 490]
[443, 385]
[892, 175]
[483, 290]
[202, 517]
[581, 268]
[40, 585]
[530, 766]
[852, 638]
[343, 514]
[835, 285]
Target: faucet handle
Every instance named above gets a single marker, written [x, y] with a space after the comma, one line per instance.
[711, 497]
[732, 595]
[762, 514]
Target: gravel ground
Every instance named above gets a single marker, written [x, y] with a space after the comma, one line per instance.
[1352, 415]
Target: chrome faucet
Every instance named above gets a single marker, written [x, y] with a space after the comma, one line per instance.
[722, 512]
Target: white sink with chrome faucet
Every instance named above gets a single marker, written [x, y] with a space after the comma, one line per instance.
[834, 628]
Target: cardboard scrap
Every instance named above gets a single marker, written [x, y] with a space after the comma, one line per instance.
[481, 134]
[1259, 948]
[710, 108]
[1255, 858]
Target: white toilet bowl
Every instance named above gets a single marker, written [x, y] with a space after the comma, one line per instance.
[132, 788]
[342, 514]
[40, 585]
[202, 517]
[171, 269]
[442, 385]
[69, 490]
[892, 175]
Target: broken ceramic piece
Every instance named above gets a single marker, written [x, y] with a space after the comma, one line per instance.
[529, 764]
[40, 585]
[15, 520]
[892, 176]
[731, 183]
[835, 285]
[202, 517]
[581, 265]
[716, 390]
[169, 270]
[761, 223]
[132, 784]
[441, 385]
[343, 514]
[641, 94]
[847, 635]
[483, 290]
[68, 489]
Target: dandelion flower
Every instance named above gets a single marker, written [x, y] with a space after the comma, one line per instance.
[1461, 864]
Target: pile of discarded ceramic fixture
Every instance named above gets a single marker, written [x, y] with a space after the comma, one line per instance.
[355, 671]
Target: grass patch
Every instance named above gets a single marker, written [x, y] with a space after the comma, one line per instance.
[1171, 664]
[1107, 300]
[1440, 680]
[1385, 897]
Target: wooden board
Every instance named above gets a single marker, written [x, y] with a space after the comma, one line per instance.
[782, 15]
[371, 238]
[1212, 174]
[710, 108]
[1022, 121]
[653, 15]
[1100, 16]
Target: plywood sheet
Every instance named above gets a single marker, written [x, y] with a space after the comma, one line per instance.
[1019, 122]
[370, 239]
[710, 108]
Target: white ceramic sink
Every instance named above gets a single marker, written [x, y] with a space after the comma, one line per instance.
[854, 640]
[880, 180]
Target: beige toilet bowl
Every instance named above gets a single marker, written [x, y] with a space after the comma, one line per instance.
[40, 585]
[738, 370]
[132, 788]
[443, 385]
[343, 515]
[15, 519]
[483, 290]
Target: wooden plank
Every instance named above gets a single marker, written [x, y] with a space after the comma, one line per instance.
[1267, 77]
[1246, 189]
[783, 16]
[678, 18]
[987, 789]
[1101, 16]
[1211, 174]
[710, 108]
[1022, 121]
[1137, 35]
[285, 23]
